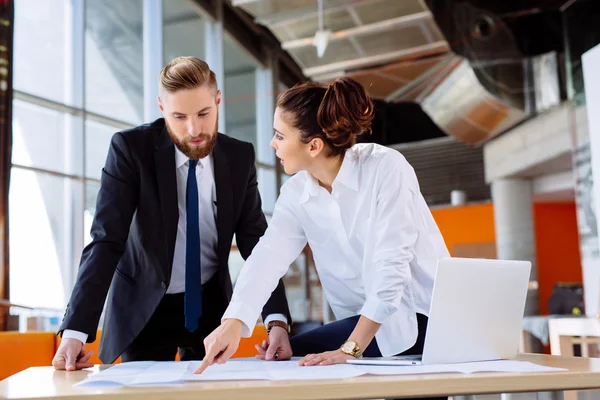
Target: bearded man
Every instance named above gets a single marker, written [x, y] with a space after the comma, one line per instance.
[172, 195]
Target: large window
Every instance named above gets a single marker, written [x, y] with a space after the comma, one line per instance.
[45, 184]
[39, 55]
[80, 77]
[114, 59]
[240, 92]
[74, 87]
[183, 30]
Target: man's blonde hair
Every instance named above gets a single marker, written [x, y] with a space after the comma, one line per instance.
[186, 73]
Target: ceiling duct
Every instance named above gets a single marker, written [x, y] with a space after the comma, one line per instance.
[475, 105]
[496, 78]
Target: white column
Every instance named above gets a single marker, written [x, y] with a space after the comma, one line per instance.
[587, 164]
[153, 56]
[264, 116]
[73, 142]
[515, 234]
[591, 73]
[74, 52]
[214, 57]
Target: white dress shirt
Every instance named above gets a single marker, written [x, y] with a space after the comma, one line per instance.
[374, 242]
[207, 204]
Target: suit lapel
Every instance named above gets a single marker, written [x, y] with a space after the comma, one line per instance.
[224, 200]
[164, 159]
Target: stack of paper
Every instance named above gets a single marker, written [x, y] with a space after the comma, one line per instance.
[163, 373]
[139, 373]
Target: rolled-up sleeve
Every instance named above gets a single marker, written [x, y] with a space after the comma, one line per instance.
[394, 232]
[281, 244]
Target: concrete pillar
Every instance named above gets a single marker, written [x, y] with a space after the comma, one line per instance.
[515, 234]
[586, 162]
[152, 30]
[215, 56]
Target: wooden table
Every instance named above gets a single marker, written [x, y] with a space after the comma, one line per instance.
[584, 373]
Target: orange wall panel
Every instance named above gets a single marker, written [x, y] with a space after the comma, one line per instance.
[466, 225]
[557, 245]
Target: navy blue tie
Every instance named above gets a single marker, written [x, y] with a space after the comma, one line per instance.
[193, 284]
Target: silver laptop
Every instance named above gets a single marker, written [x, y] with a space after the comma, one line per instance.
[476, 313]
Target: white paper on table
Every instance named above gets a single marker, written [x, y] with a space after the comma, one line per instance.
[280, 370]
[465, 368]
[171, 372]
[138, 373]
[510, 366]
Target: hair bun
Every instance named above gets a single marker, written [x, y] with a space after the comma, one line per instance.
[345, 112]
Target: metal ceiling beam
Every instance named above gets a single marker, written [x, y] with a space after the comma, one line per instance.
[306, 12]
[180, 19]
[329, 76]
[237, 3]
[356, 18]
[354, 15]
[380, 69]
[439, 46]
[244, 70]
[380, 26]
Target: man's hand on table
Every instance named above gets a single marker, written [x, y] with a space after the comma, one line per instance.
[71, 356]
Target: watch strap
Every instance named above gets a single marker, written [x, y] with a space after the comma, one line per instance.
[280, 324]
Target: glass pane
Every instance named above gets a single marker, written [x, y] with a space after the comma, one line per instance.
[97, 142]
[183, 30]
[580, 20]
[41, 228]
[386, 9]
[265, 107]
[114, 59]
[40, 48]
[91, 194]
[240, 92]
[236, 262]
[332, 20]
[296, 282]
[267, 186]
[46, 139]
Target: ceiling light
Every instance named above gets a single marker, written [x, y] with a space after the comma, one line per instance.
[320, 41]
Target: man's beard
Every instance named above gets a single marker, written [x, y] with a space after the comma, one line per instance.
[194, 152]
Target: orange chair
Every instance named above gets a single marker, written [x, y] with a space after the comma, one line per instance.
[19, 351]
[247, 348]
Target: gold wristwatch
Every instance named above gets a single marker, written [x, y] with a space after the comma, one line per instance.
[352, 349]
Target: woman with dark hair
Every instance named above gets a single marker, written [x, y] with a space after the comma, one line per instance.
[373, 238]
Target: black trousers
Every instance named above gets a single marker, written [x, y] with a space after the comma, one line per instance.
[333, 335]
[166, 333]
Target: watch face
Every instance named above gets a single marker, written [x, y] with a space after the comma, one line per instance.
[348, 346]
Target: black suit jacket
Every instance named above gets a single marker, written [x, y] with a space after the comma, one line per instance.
[134, 230]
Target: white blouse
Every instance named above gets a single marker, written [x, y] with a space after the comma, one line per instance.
[374, 242]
